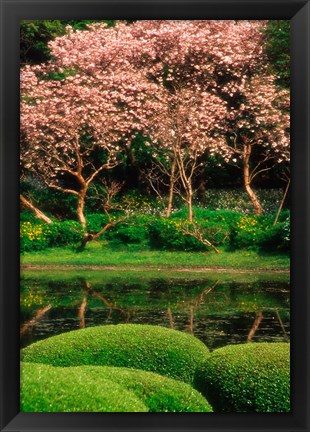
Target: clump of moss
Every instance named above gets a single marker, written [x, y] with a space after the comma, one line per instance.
[48, 389]
[158, 393]
[247, 378]
[150, 348]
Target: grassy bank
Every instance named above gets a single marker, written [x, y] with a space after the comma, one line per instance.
[101, 254]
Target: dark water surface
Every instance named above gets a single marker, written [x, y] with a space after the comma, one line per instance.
[219, 309]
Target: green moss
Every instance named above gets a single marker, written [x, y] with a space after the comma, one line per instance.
[151, 348]
[48, 389]
[158, 393]
[251, 377]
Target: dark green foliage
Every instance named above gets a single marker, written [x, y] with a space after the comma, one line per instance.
[151, 348]
[28, 216]
[252, 377]
[222, 228]
[66, 233]
[128, 233]
[35, 35]
[48, 389]
[260, 233]
[167, 234]
[170, 234]
[277, 48]
[36, 235]
[277, 238]
[95, 222]
[51, 202]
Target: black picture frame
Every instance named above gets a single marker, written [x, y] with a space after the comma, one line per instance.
[12, 11]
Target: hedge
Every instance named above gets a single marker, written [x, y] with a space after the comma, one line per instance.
[151, 348]
[251, 377]
[48, 389]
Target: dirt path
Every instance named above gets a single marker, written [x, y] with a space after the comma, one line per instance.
[198, 269]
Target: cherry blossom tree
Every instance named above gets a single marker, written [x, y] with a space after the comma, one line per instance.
[201, 65]
[189, 126]
[191, 87]
[181, 57]
[259, 124]
[72, 129]
[224, 59]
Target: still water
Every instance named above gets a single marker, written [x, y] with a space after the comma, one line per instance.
[219, 309]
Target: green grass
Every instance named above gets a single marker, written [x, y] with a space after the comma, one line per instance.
[101, 254]
[251, 377]
[150, 348]
[140, 276]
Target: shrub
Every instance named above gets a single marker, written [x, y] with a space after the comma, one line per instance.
[151, 348]
[34, 236]
[129, 233]
[258, 232]
[39, 236]
[66, 233]
[167, 234]
[95, 222]
[277, 238]
[214, 226]
[246, 232]
[48, 389]
[29, 216]
[251, 377]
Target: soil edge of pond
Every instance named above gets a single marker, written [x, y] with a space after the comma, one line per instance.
[197, 269]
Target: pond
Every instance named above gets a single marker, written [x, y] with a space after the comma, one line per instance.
[218, 308]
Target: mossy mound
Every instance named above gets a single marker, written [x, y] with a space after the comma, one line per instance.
[48, 389]
[150, 348]
[251, 377]
[158, 393]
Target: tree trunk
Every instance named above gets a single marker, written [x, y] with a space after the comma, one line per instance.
[190, 202]
[282, 202]
[80, 207]
[89, 237]
[172, 180]
[38, 213]
[247, 179]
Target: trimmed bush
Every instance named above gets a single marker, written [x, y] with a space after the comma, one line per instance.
[48, 389]
[151, 348]
[251, 377]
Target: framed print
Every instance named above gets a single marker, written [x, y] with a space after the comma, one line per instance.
[154, 215]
